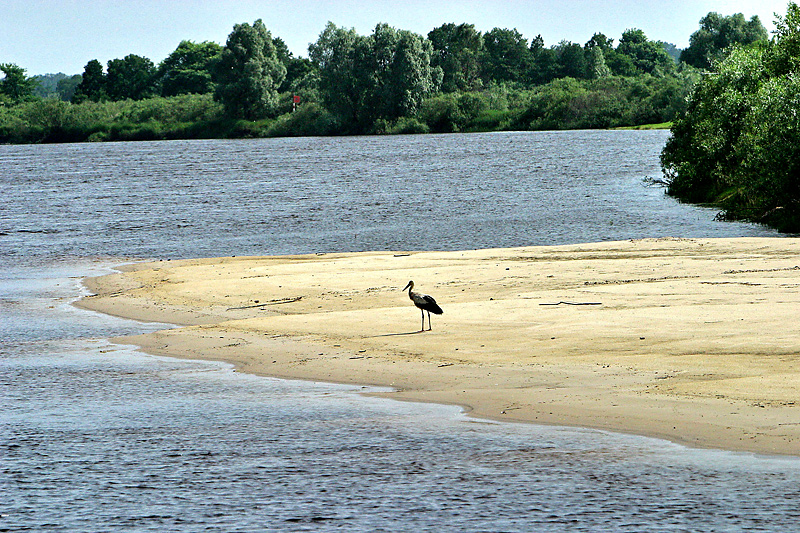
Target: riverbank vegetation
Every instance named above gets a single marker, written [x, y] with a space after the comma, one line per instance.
[391, 81]
[737, 147]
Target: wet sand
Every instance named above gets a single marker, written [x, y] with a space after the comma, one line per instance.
[692, 340]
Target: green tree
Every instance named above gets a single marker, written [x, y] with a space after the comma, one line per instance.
[596, 67]
[717, 34]
[403, 75]
[738, 145]
[647, 56]
[46, 84]
[131, 78]
[188, 69]
[93, 84]
[249, 73]
[783, 57]
[598, 49]
[506, 56]
[341, 57]
[599, 40]
[544, 64]
[363, 79]
[15, 85]
[571, 60]
[672, 51]
[620, 64]
[456, 50]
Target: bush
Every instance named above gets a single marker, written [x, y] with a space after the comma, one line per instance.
[449, 113]
[490, 120]
[407, 125]
[604, 103]
[176, 109]
[52, 120]
[309, 120]
[441, 114]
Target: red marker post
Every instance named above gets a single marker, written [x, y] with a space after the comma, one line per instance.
[295, 101]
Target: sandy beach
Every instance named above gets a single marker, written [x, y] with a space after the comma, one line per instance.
[691, 340]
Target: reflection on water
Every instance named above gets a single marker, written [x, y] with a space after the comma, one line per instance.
[97, 437]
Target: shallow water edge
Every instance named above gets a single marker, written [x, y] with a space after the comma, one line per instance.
[433, 376]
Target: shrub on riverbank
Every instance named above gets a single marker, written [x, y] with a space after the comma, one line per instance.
[561, 104]
[605, 103]
[738, 146]
[52, 120]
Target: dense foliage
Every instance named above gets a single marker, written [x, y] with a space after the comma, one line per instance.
[391, 81]
[738, 145]
[384, 76]
[717, 34]
[53, 120]
[249, 73]
[15, 87]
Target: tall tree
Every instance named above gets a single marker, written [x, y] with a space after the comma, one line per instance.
[600, 41]
[571, 60]
[188, 69]
[46, 85]
[342, 58]
[544, 66]
[132, 78]
[717, 34]
[596, 67]
[672, 51]
[15, 85]
[93, 83]
[506, 55]
[738, 144]
[456, 50]
[783, 56]
[648, 56]
[403, 75]
[249, 73]
[383, 76]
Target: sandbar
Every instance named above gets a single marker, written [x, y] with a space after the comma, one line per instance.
[696, 341]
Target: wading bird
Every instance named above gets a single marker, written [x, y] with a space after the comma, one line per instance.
[425, 303]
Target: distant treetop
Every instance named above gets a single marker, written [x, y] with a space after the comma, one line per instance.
[717, 34]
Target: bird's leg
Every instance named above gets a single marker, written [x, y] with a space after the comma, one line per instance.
[429, 321]
[422, 312]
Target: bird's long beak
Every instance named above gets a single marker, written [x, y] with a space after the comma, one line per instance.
[407, 285]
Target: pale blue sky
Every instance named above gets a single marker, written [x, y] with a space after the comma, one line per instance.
[47, 36]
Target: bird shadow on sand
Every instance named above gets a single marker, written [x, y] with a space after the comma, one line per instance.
[399, 334]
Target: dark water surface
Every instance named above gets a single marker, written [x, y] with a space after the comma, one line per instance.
[443, 192]
[99, 437]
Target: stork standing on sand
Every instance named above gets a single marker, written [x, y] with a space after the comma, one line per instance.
[425, 303]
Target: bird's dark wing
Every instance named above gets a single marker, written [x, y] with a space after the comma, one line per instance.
[431, 305]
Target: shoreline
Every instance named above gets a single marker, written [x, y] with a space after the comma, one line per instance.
[689, 340]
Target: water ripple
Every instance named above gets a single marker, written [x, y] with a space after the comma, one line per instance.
[97, 437]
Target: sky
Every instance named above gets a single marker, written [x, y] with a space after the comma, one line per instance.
[50, 36]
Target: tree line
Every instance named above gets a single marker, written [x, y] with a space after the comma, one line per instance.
[391, 81]
[737, 147]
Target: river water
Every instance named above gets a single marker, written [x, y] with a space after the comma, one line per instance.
[99, 437]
